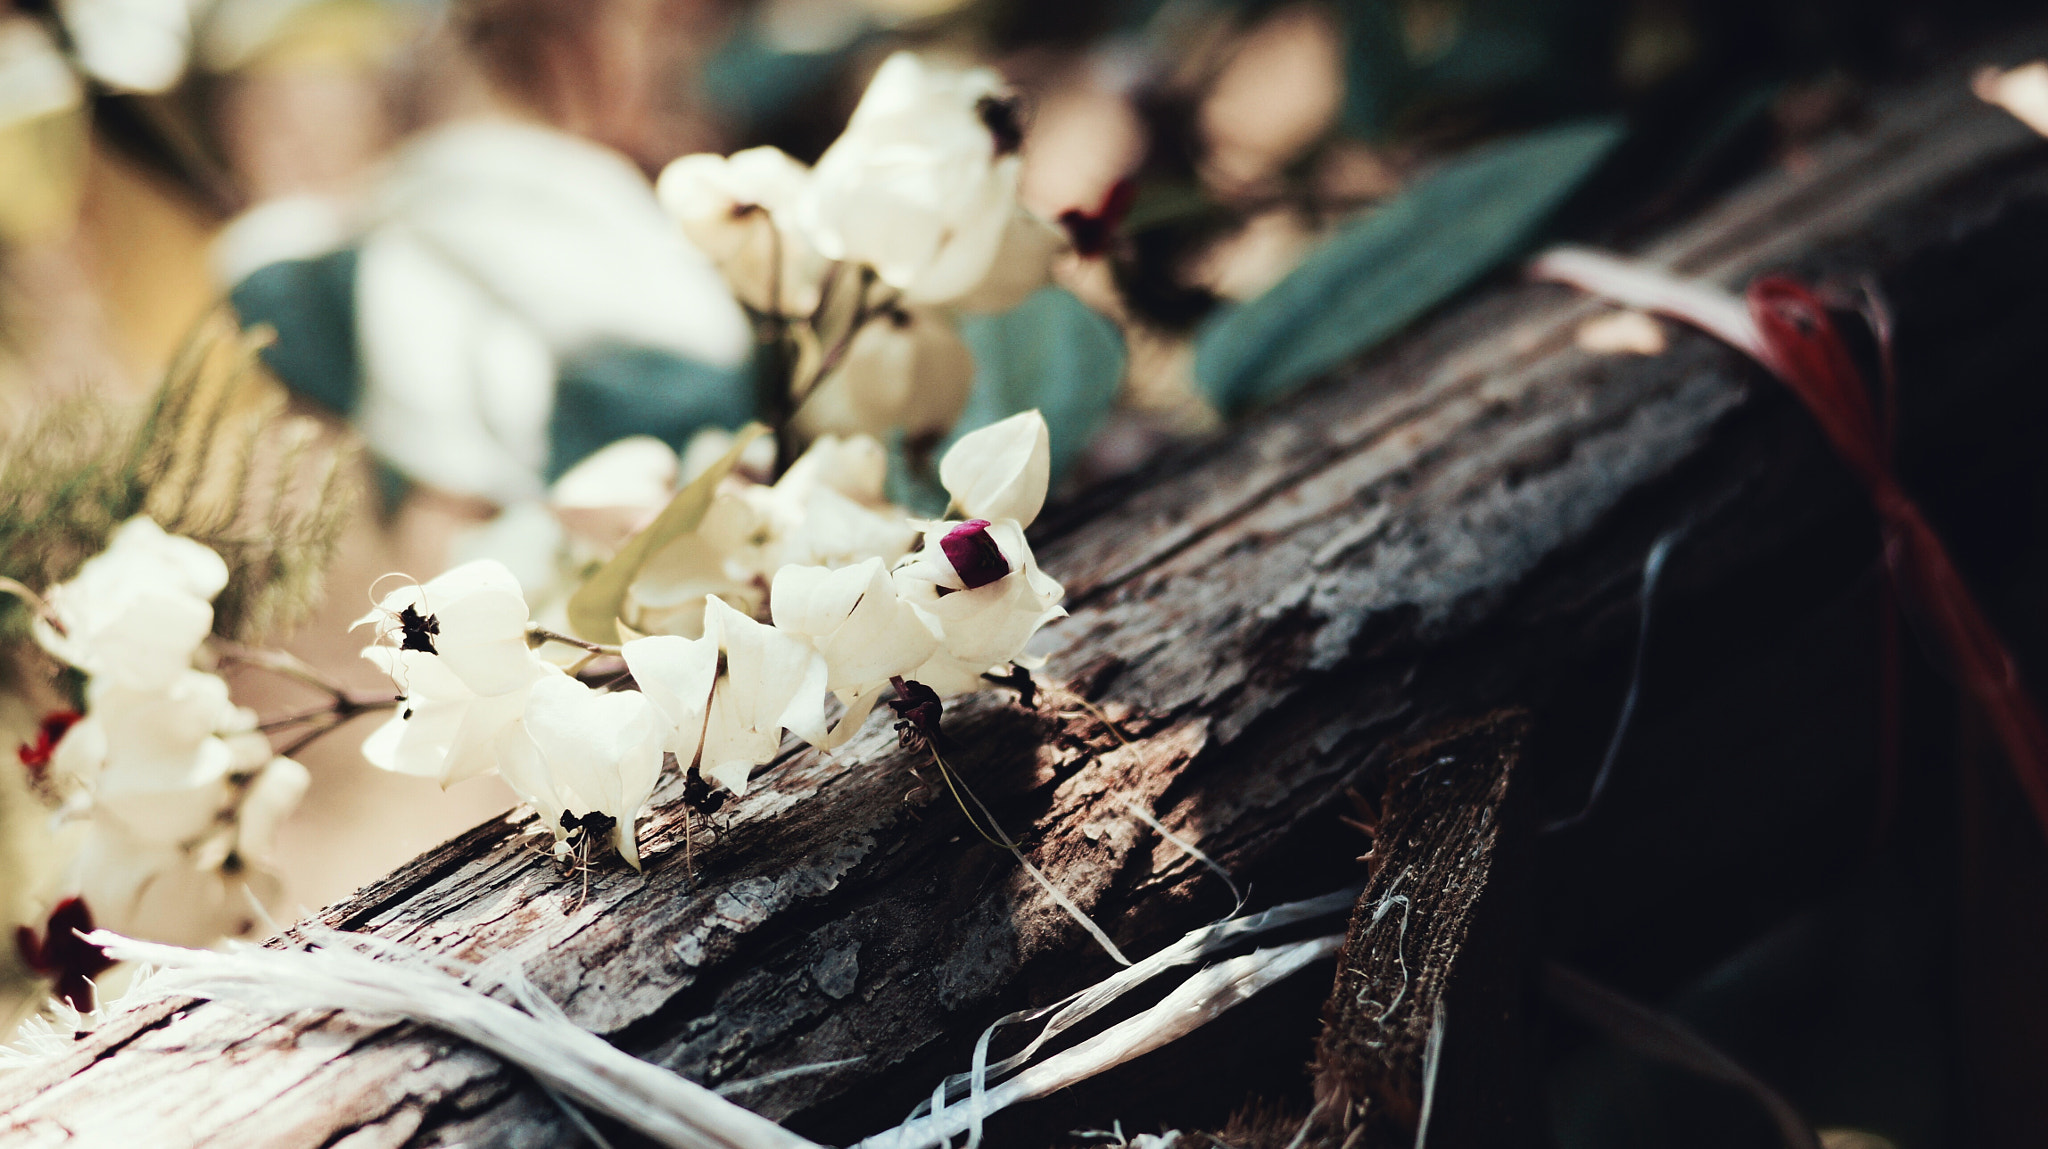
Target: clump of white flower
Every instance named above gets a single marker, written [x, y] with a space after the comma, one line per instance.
[170, 798]
[863, 262]
[786, 594]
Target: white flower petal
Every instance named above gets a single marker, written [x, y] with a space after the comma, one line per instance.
[1000, 471]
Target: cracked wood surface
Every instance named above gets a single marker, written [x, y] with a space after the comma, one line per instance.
[1420, 539]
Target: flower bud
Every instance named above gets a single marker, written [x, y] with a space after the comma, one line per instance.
[974, 554]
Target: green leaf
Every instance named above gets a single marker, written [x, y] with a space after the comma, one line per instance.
[1382, 271]
[750, 81]
[311, 305]
[607, 392]
[594, 608]
[1052, 352]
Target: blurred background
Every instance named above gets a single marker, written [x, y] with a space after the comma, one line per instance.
[326, 167]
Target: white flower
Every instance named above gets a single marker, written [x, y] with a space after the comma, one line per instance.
[728, 717]
[985, 614]
[160, 763]
[132, 45]
[161, 893]
[140, 878]
[605, 499]
[907, 369]
[469, 622]
[1023, 264]
[826, 510]
[495, 249]
[136, 612]
[856, 466]
[923, 183]
[738, 210]
[864, 630]
[579, 752]
[267, 801]
[1000, 471]
[457, 649]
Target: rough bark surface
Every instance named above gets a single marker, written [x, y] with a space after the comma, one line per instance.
[1436, 846]
[1426, 537]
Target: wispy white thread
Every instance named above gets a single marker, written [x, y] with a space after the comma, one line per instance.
[1072, 1010]
[566, 1058]
[1189, 848]
[1195, 1002]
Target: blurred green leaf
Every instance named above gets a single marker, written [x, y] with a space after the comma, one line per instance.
[311, 304]
[1052, 352]
[594, 608]
[750, 80]
[1382, 271]
[610, 391]
[913, 481]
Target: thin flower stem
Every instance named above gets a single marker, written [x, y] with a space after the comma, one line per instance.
[340, 720]
[33, 600]
[280, 663]
[1095, 710]
[344, 706]
[863, 313]
[825, 286]
[993, 834]
[542, 634]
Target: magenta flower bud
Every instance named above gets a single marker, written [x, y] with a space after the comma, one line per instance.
[973, 554]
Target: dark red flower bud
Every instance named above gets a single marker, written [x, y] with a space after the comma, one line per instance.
[62, 954]
[36, 755]
[973, 554]
[918, 711]
[1091, 232]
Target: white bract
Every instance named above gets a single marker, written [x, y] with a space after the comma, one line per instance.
[907, 369]
[135, 612]
[456, 647]
[131, 45]
[161, 763]
[982, 627]
[729, 695]
[923, 184]
[604, 499]
[1000, 471]
[864, 630]
[579, 752]
[738, 210]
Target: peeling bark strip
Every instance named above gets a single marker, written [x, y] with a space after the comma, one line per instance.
[1436, 533]
[1433, 854]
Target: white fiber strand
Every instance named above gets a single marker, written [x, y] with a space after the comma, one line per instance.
[1197, 1001]
[1071, 1011]
[1188, 848]
[1073, 911]
[1646, 287]
[572, 1061]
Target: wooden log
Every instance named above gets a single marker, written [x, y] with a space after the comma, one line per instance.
[1263, 619]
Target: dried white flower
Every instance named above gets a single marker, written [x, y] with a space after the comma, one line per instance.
[979, 586]
[136, 612]
[738, 210]
[923, 183]
[580, 752]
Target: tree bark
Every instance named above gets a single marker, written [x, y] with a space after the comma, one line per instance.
[1264, 620]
